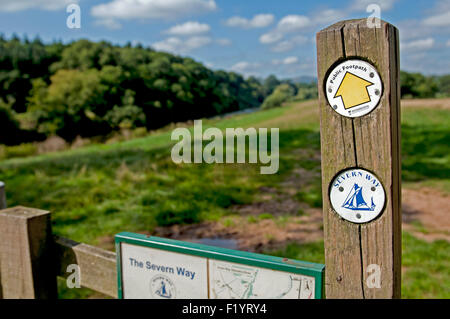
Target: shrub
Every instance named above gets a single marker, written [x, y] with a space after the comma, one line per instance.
[22, 150]
[281, 94]
[9, 128]
[306, 93]
[311, 195]
[177, 213]
[139, 132]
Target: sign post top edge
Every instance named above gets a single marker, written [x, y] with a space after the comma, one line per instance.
[230, 255]
[353, 23]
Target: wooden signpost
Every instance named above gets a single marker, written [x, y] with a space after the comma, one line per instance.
[360, 141]
[158, 268]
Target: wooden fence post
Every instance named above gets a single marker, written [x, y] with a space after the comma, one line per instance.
[370, 142]
[27, 265]
[2, 206]
[2, 196]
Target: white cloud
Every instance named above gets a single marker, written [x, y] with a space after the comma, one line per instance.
[258, 21]
[223, 42]
[109, 24]
[409, 30]
[328, 16]
[181, 46]
[189, 28]
[292, 23]
[151, 9]
[385, 5]
[246, 68]
[448, 43]
[271, 37]
[290, 60]
[417, 45]
[438, 20]
[288, 24]
[290, 44]
[286, 61]
[19, 5]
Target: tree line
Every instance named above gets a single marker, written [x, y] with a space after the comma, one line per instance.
[413, 85]
[92, 88]
[87, 89]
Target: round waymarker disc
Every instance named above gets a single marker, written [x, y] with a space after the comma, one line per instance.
[357, 195]
[353, 88]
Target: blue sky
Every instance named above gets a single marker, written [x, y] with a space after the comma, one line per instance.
[252, 37]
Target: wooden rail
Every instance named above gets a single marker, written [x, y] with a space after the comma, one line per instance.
[31, 258]
[97, 266]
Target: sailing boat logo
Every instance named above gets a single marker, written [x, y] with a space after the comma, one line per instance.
[357, 195]
[162, 287]
[355, 200]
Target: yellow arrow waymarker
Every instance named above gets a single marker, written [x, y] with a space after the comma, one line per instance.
[353, 90]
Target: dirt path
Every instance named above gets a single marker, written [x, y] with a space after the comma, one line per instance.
[425, 215]
[443, 104]
[253, 236]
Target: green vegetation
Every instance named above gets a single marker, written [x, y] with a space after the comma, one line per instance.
[101, 189]
[281, 94]
[285, 91]
[312, 195]
[21, 150]
[312, 252]
[443, 83]
[413, 85]
[426, 266]
[416, 85]
[306, 92]
[89, 89]
[426, 146]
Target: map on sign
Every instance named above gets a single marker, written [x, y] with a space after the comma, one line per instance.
[160, 268]
[236, 281]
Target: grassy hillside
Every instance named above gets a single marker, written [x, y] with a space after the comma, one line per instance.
[100, 190]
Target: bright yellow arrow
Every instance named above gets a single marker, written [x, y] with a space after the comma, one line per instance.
[353, 90]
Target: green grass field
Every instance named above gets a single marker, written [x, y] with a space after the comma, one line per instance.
[426, 266]
[100, 190]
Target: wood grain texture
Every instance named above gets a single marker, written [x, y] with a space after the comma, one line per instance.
[2, 196]
[2, 206]
[97, 266]
[26, 259]
[371, 142]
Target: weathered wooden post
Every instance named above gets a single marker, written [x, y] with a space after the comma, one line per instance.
[27, 266]
[2, 196]
[2, 206]
[358, 74]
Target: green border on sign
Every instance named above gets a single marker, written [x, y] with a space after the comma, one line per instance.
[218, 253]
